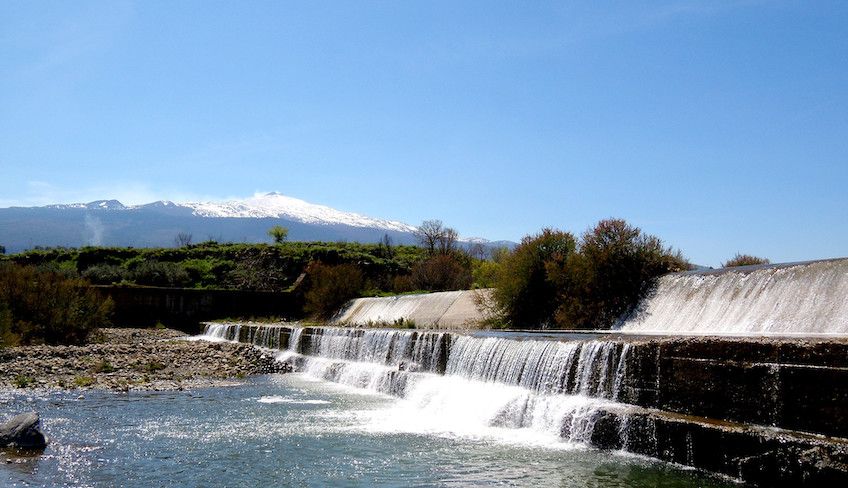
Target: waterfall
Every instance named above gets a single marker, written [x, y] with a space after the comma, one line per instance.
[544, 388]
[804, 298]
[552, 367]
[217, 332]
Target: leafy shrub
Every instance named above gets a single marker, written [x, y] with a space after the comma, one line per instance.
[8, 337]
[206, 272]
[524, 293]
[485, 271]
[615, 266]
[39, 306]
[261, 268]
[442, 272]
[550, 279]
[330, 286]
[236, 266]
[402, 284]
[157, 273]
[105, 274]
[83, 381]
[744, 260]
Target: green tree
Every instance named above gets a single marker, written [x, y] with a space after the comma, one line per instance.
[744, 260]
[613, 268]
[279, 234]
[330, 287]
[485, 271]
[523, 292]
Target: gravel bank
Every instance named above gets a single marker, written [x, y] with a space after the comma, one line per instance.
[133, 359]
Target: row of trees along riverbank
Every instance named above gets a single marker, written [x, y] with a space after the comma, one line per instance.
[551, 279]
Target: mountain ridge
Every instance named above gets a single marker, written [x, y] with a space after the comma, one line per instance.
[157, 224]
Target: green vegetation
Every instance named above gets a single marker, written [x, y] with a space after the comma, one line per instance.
[83, 381]
[103, 366]
[154, 366]
[279, 234]
[330, 286]
[228, 266]
[554, 280]
[44, 306]
[523, 290]
[744, 260]
[22, 381]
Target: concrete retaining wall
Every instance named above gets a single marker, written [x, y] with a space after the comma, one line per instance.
[185, 308]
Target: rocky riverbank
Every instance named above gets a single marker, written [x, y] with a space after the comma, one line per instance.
[133, 359]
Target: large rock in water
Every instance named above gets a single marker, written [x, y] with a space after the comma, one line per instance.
[22, 431]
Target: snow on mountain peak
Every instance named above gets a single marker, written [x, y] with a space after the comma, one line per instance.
[276, 205]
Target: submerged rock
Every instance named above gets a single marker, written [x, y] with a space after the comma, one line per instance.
[22, 431]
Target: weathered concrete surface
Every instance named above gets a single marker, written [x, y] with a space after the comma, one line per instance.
[22, 431]
[185, 308]
[762, 456]
[788, 383]
[449, 310]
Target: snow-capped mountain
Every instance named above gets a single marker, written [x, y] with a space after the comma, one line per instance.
[111, 223]
[278, 206]
[157, 224]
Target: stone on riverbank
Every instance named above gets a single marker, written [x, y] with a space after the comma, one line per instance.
[22, 431]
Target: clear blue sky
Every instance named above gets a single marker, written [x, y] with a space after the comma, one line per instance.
[720, 126]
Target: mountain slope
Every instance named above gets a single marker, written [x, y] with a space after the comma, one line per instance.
[157, 224]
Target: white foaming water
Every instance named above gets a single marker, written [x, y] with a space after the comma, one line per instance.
[219, 332]
[538, 392]
[584, 368]
[795, 299]
[450, 405]
[280, 399]
[529, 391]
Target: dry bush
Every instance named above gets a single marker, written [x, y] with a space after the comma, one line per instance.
[38, 306]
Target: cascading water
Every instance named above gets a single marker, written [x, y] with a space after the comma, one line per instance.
[221, 332]
[804, 298]
[461, 383]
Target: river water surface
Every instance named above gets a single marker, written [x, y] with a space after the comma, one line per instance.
[294, 430]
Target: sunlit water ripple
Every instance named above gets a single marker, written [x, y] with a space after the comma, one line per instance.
[291, 430]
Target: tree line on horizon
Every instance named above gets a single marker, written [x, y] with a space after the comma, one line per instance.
[551, 279]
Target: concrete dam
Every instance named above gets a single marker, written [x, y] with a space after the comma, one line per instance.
[795, 299]
[741, 372]
[783, 299]
[443, 310]
[765, 411]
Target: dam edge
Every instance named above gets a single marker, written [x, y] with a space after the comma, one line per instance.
[710, 403]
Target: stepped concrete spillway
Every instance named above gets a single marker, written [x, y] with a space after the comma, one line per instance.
[741, 372]
[808, 298]
[445, 310]
[768, 411]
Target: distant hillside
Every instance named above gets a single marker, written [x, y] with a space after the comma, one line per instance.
[157, 224]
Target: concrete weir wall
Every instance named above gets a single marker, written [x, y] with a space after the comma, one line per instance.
[773, 412]
[809, 298]
[765, 411]
[446, 310]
